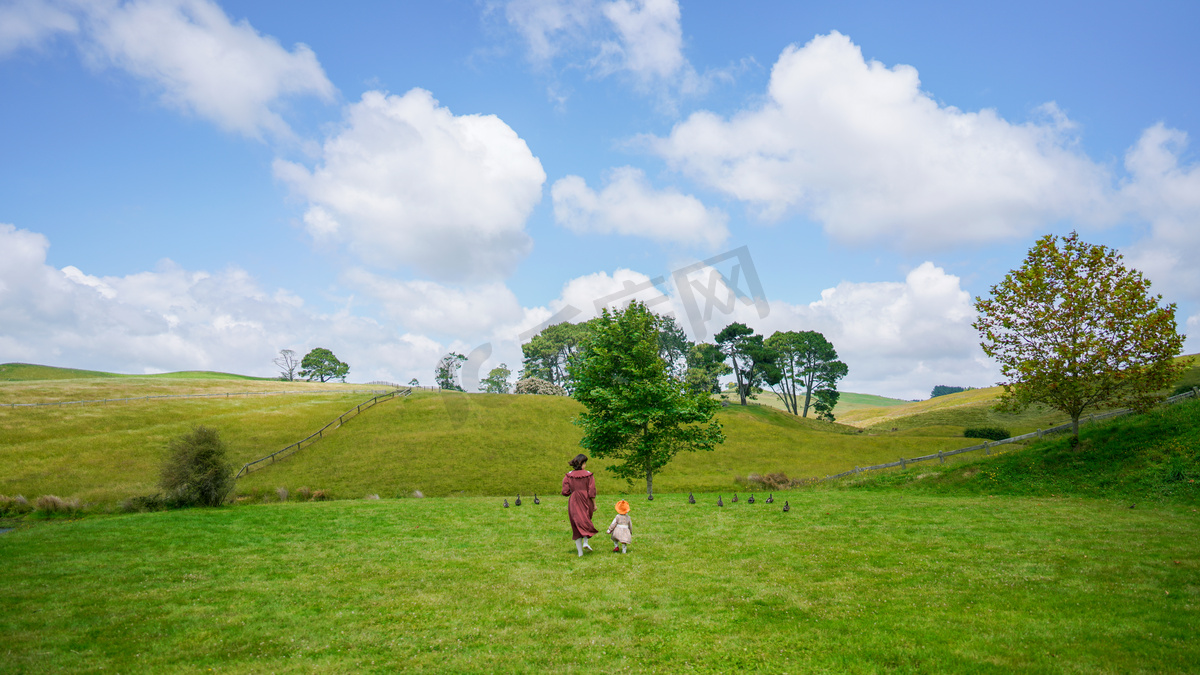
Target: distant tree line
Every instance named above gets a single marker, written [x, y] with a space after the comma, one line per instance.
[801, 368]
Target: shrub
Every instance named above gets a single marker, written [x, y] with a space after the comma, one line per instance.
[536, 385]
[303, 493]
[154, 502]
[50, 505]
[771, 481]
[197, 472]
[282, 493]
[14, 506]
[1182, 389]
[321, 496]
[987, 433]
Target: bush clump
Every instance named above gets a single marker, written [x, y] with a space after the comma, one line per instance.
[14, 506]
[197, 471]
[988, 433]
[49, 505]
[536, 385]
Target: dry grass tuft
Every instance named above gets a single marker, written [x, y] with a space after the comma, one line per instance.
[282, 493]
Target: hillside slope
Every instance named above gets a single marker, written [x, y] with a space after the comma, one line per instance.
[1150, 457]
[479, 444]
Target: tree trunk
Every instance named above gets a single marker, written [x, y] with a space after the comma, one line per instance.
[1075, 427]
[649, 484]
[807, 400]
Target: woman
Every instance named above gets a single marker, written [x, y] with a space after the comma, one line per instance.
[580, 485]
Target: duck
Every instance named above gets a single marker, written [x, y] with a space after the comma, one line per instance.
[691, 499]
[735, 498]
[506, 503]
[518, 500]
[786, 506]
[536, 501]
[771, 499]
[751, 499]
[719, 502]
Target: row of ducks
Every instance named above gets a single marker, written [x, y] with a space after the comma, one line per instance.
[691, 500]
[750, 500]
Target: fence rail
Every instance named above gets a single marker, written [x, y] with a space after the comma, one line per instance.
[104, 401]
[988, 445]
[320, 433]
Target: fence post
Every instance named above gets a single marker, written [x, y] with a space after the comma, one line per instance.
[903, 464]
[987, 448]
[941, 460]
[1039, 433]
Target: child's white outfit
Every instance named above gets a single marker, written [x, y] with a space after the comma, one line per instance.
[621, 530]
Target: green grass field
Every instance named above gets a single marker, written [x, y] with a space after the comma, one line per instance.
[848, 582]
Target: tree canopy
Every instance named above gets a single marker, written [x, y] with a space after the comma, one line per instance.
[497, 380]
[748, 357]
[636, 413]
[549, 353]
[320, 364]
[1074, 329]
[445, 374]
[805, 365]
[705, 366]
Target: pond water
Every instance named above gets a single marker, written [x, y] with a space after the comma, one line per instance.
[5, 529]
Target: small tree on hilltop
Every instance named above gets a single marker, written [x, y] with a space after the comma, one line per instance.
[320, 364]
[497, 380]
[748, 356]
[445, 375]
[1075, 329]
[806, 364]
[196, 471]
[287, 365]
[636, 413]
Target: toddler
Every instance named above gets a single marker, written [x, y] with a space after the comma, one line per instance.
[621, 528]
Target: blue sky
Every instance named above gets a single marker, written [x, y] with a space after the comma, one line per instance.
[187, 184]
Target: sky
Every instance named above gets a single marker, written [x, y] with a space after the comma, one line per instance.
[193, 185]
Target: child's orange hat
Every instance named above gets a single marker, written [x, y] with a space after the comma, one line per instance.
[622, 507]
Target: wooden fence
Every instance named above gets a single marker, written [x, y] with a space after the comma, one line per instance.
[988, 445]
[320, 433]
[104, 401]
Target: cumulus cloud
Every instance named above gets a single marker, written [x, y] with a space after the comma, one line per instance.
[188, 50]
[1166, 194]
[406, 182]
[859, 148]
[28, 23]
[628, 205]
[175, 319]
[471, 312]
[203, 63]
[642, 39]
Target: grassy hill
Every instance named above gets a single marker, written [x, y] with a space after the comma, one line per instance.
[847, 402]
[1153, 457]
[439, 443]
[21, 372]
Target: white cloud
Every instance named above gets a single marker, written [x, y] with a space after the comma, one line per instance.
[429, 307]
[628, 205]
[174, 319]
[27, 23]
[639, 38]
[406, 182]
[204, 63]
[1165, 194]
[861, 149]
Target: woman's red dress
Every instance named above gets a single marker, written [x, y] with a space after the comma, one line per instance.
[580, 486]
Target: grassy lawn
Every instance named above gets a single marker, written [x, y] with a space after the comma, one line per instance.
[847, 582]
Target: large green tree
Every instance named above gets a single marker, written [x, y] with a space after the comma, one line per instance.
[1074, 329]
[673, 346]
[806, 367]
[749, 358]
[636, 413]
[320, 364]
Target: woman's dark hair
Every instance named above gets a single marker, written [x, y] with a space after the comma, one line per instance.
[578, 461]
